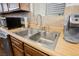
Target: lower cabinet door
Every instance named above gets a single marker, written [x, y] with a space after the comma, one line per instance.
[17, 42]
[1, 45]
[17, 51]
[26, 54]
[32, 51]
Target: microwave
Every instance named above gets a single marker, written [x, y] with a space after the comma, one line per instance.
[14, 22]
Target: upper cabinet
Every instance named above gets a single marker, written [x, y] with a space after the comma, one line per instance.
[11, 7]
[19, 6]
[24, 6]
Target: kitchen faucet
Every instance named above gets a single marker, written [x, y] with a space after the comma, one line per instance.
[39, 18]
[42, 28]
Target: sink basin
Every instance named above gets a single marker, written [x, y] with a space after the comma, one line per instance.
[27, 32]
[46, 39]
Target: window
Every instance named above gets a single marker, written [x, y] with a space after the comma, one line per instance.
[48, 8]
[55, 8]
[39, 8]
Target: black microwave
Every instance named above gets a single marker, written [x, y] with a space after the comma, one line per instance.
[13, 22]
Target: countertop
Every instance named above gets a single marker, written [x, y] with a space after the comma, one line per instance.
[63, 48]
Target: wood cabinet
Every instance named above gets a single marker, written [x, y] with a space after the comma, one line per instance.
[25, 6]
[17, 47]
[19, 6]
[20, 48]
[17, 51]
[11, 7]
[1, 45]
[32, 51]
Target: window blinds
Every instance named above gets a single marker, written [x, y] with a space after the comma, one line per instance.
[55, 8]
[48, 8]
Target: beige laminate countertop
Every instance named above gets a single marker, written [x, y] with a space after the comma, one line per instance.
[62, 47]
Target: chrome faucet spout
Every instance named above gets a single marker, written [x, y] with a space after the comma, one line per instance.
[39, 18]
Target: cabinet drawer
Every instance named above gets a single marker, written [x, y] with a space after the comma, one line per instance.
[32, 51]
[17, 42]
[17, 51]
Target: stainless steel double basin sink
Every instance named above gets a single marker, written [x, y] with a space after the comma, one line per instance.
[46, 39]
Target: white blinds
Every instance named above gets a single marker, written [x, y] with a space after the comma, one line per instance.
[48, 8]
[55, 8]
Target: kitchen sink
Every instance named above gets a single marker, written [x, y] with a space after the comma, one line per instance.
[27, 32]
[46, 39]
